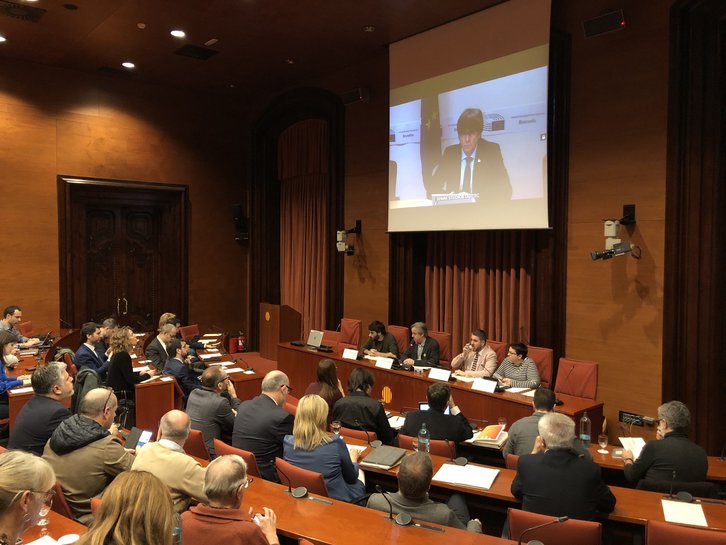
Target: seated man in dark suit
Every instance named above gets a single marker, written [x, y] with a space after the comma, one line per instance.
[177, 366]
[261, 423]
[451, 427]
[86, 355]
[474, 165]
[212, 407]
[156, 351]
[560, 481]
[412, 498]
[672, 452]
[41, 415]
[423, 350]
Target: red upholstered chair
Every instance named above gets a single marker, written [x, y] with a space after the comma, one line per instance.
[340, 346]
[500, 348]
[95, 505]
[298, 476]
[402, 335]
[222, 449]
[189, 331]
[60, 505]
[70, 365]
[26, 329]
[350, 331]
[511, 461]
[358, 434]
[665, 533]
[3, 449]
[444, 340]
[437, 447]
[543, 358]
[289, 407]
[577, 378]
[572, 532]
[195, 445]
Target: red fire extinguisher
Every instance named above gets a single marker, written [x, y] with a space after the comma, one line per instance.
[241, 342]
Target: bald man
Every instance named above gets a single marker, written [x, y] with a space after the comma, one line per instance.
[85, 452]
[166, 459]
[262, 423]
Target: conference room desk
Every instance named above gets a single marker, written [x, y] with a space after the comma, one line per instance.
[405, 389]
[59, 526]
[342, 522]
[633, 507]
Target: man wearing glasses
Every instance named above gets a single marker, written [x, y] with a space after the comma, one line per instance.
[517, 370]
[85, 452]
[262, 423]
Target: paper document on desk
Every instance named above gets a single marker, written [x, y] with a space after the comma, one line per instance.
[356, 449]
[222, 363]
[142, 369]
[530, 393]
[684, 513]
[517, 390]
[396, 422]
[467, 475]
[465, 379]
[633, 444]
[45, 540]
[22, 390]
[235, 370]
[207, 356]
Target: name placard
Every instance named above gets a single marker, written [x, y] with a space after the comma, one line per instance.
[439, 374]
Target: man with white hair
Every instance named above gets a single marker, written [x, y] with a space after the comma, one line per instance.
[222, 520]
[560, 481]
[423, 350]
[166, 459]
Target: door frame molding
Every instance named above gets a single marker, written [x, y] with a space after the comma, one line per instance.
[69, 187]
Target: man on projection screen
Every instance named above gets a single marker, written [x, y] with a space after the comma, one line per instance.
[474, 165]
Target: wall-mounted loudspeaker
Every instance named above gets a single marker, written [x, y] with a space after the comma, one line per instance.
[607, 22]
[241, 230]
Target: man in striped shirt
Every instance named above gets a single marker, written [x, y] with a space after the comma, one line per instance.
[517, 370]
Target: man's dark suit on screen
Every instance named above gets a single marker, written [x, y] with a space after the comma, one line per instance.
[441, 426]
[260, 427]
[560, 482]
[429, 354]
[157, 354]
[186, 378]
[35, 423]
[489, 177]
[211, 413]
[86, 357]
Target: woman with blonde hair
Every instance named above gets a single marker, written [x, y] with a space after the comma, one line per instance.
[136, 509]
[310, 447]
[26, 486]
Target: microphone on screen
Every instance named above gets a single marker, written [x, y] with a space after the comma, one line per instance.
[558, 401]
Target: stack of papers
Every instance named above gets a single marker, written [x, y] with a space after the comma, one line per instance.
[396, 422]
[468, 475]
[684, 513]
[633, 444]
[491, 436]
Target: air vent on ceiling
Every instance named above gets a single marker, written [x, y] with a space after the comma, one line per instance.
[21, 11]
[196, 52]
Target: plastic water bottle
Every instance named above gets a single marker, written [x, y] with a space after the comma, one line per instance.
[423, 439]
[176, 534]
[585, 428]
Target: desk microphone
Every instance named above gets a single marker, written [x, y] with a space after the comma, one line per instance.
[461, 460]
[63, 322]
[723, 450]
[374, 444]
[299, 492]
[558, 401]
[670, 492]
[527, 530]
[402, 519]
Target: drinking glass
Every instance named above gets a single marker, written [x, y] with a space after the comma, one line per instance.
[602, 440]
[502, 421]
[335, 427]
[44, 513]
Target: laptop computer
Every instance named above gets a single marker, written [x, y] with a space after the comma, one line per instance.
[315, 338]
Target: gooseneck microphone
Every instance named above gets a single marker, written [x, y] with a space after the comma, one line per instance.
[299, 492]
[402, 519]
[374, 444]
[558, 401]
[527, 530]
[461, 460]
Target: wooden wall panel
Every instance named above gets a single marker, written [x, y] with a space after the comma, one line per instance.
[617, 156]
[63, 122]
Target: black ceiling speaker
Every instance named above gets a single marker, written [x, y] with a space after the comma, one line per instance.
[607, 22]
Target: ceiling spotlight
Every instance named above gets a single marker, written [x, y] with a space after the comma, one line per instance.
[141, 26]
[128, 65]
[178, 33]
[369, 28]
[210, 43]
[3, 39]
[290, 61]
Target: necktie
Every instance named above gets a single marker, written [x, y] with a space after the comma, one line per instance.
[473, 362]
[466, 181]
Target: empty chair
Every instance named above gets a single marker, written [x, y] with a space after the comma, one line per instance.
[195, 445]
[665, 533]
[703, 489]
[26, 329]
[402, 335]
[60, 505]
[222, 449]
[437, 447]
[577, 378]
[543, 358]
[349, 333]
[571, 532]
[500, 348]
[444, 340]
[189, 331]
[298, 476]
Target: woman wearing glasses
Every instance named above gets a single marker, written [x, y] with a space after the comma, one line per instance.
[26, 488]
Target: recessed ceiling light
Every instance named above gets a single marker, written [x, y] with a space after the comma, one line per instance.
[178, 33]
[210, 43]
[369, 28]
[141, 26]
[290, 61]
[128, 65]
[3, 38]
